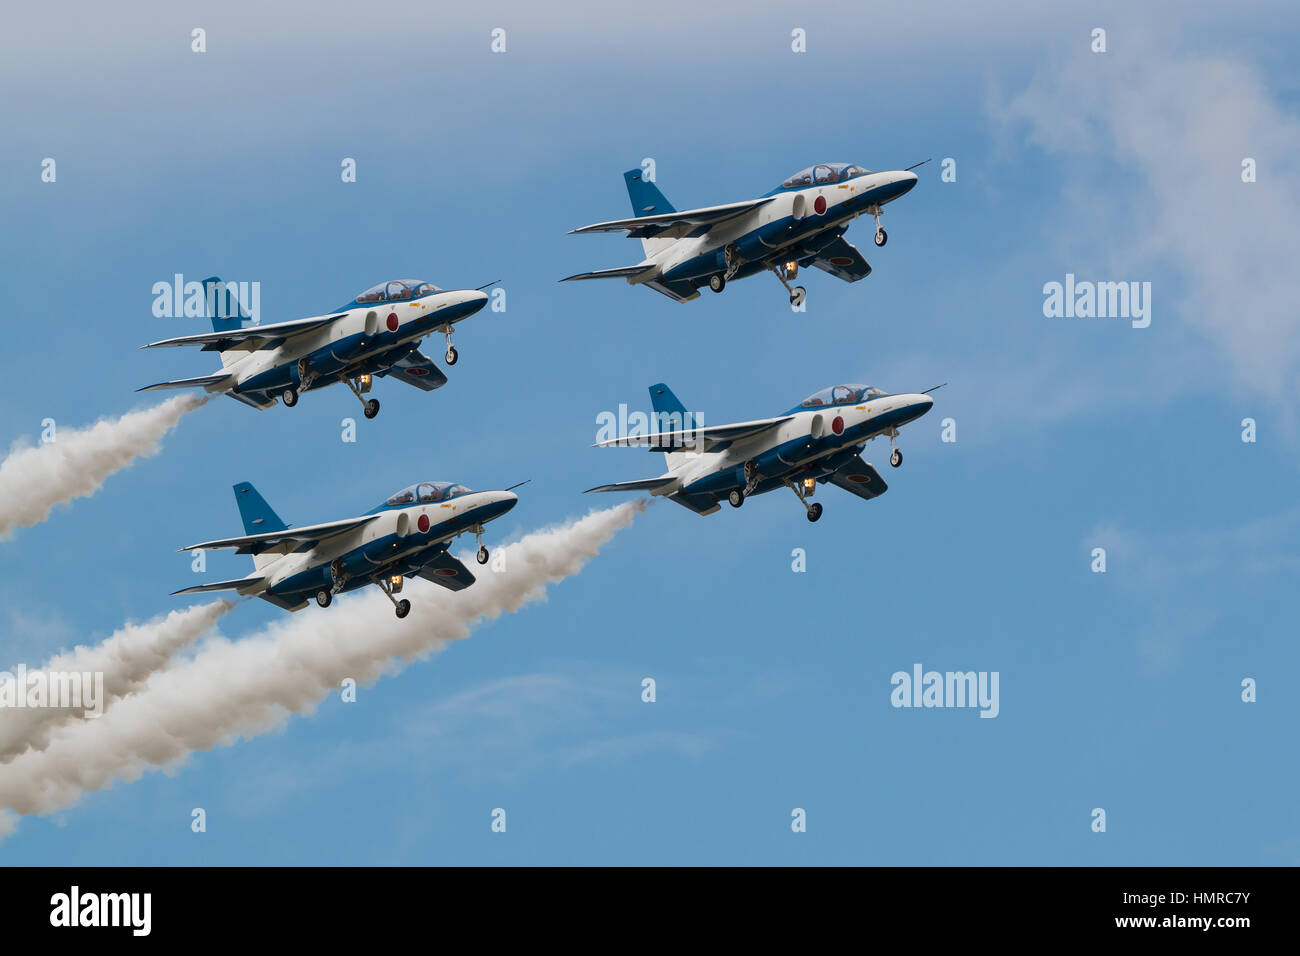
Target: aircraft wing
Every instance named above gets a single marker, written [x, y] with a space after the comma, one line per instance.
[843, 260]
[417, 369]
[291, 539]
[631, 273]
[249, 339]
[202, 381]
[860, 478]
[675, 225]
[239, 584]
[711, 436]
[643, 484]
[447, 572]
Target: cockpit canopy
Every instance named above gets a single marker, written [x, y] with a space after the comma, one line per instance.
[396, 290]
[427, 492]
[842, 395]
[823, 175]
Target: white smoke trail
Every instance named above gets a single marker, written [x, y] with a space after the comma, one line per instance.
[35, 478]
[126, 659]
[233, 689]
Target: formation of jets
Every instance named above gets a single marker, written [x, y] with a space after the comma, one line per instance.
[378, 334]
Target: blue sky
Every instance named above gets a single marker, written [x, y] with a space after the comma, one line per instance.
[1118, 690]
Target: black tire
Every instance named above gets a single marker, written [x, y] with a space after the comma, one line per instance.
[289, 397]
[798, 296]
[896, 458]
[451, 355]
[324, 597]
[882, 237]
[815, 511]
[372, 408]
[717, 282]
[403, 607]
[482, 555]
[736, 497]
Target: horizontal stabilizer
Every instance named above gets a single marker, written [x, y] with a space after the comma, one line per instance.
[633, 274]
[242, 585]
[644, 484]
[202, 381]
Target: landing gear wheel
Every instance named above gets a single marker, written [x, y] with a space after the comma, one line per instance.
[797, 296]
[736, 497]
[372, 408]
[403, 608]
[324, 597]
[716, 282]
[815, 511]
[896, 458]
[482, 555]
[451, 355]
[882, 237]
[289, 396]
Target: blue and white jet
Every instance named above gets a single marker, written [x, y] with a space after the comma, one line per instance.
[407, 535]
[376, 334]
[819, 440]
[800, 223]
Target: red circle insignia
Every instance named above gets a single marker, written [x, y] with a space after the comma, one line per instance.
[423, 523]
[392, 321]
[819, 204]
[837, 426]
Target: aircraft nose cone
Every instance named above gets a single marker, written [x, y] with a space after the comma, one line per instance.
[923, 404]
[906, 180]
[475, 299]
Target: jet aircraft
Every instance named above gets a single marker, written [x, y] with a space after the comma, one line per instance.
[406, 535]
[376, 334]
[798, 224]
[819, 440]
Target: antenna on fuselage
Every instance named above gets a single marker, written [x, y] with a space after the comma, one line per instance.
[935, 389]
[522, 483]
[915, 165]
[492, 283]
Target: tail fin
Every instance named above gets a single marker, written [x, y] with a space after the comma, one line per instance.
[647, 200]
[258, 517]
[225, 310]
[670, 415]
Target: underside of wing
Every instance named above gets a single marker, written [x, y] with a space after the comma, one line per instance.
[417, 369]
[676, 225]
[860, 478]
[447, 572]
[712, 438]
[642, 484]
[250, 338]
[291, 539]
[843, 260]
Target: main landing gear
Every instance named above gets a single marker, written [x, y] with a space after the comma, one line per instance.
[814, 509]
[736, 497]
[402, 607]
[717, 282]
[797, 294]
[370, 407]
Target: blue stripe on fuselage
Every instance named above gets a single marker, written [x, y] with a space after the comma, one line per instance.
[345, 353]
[365, 560]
